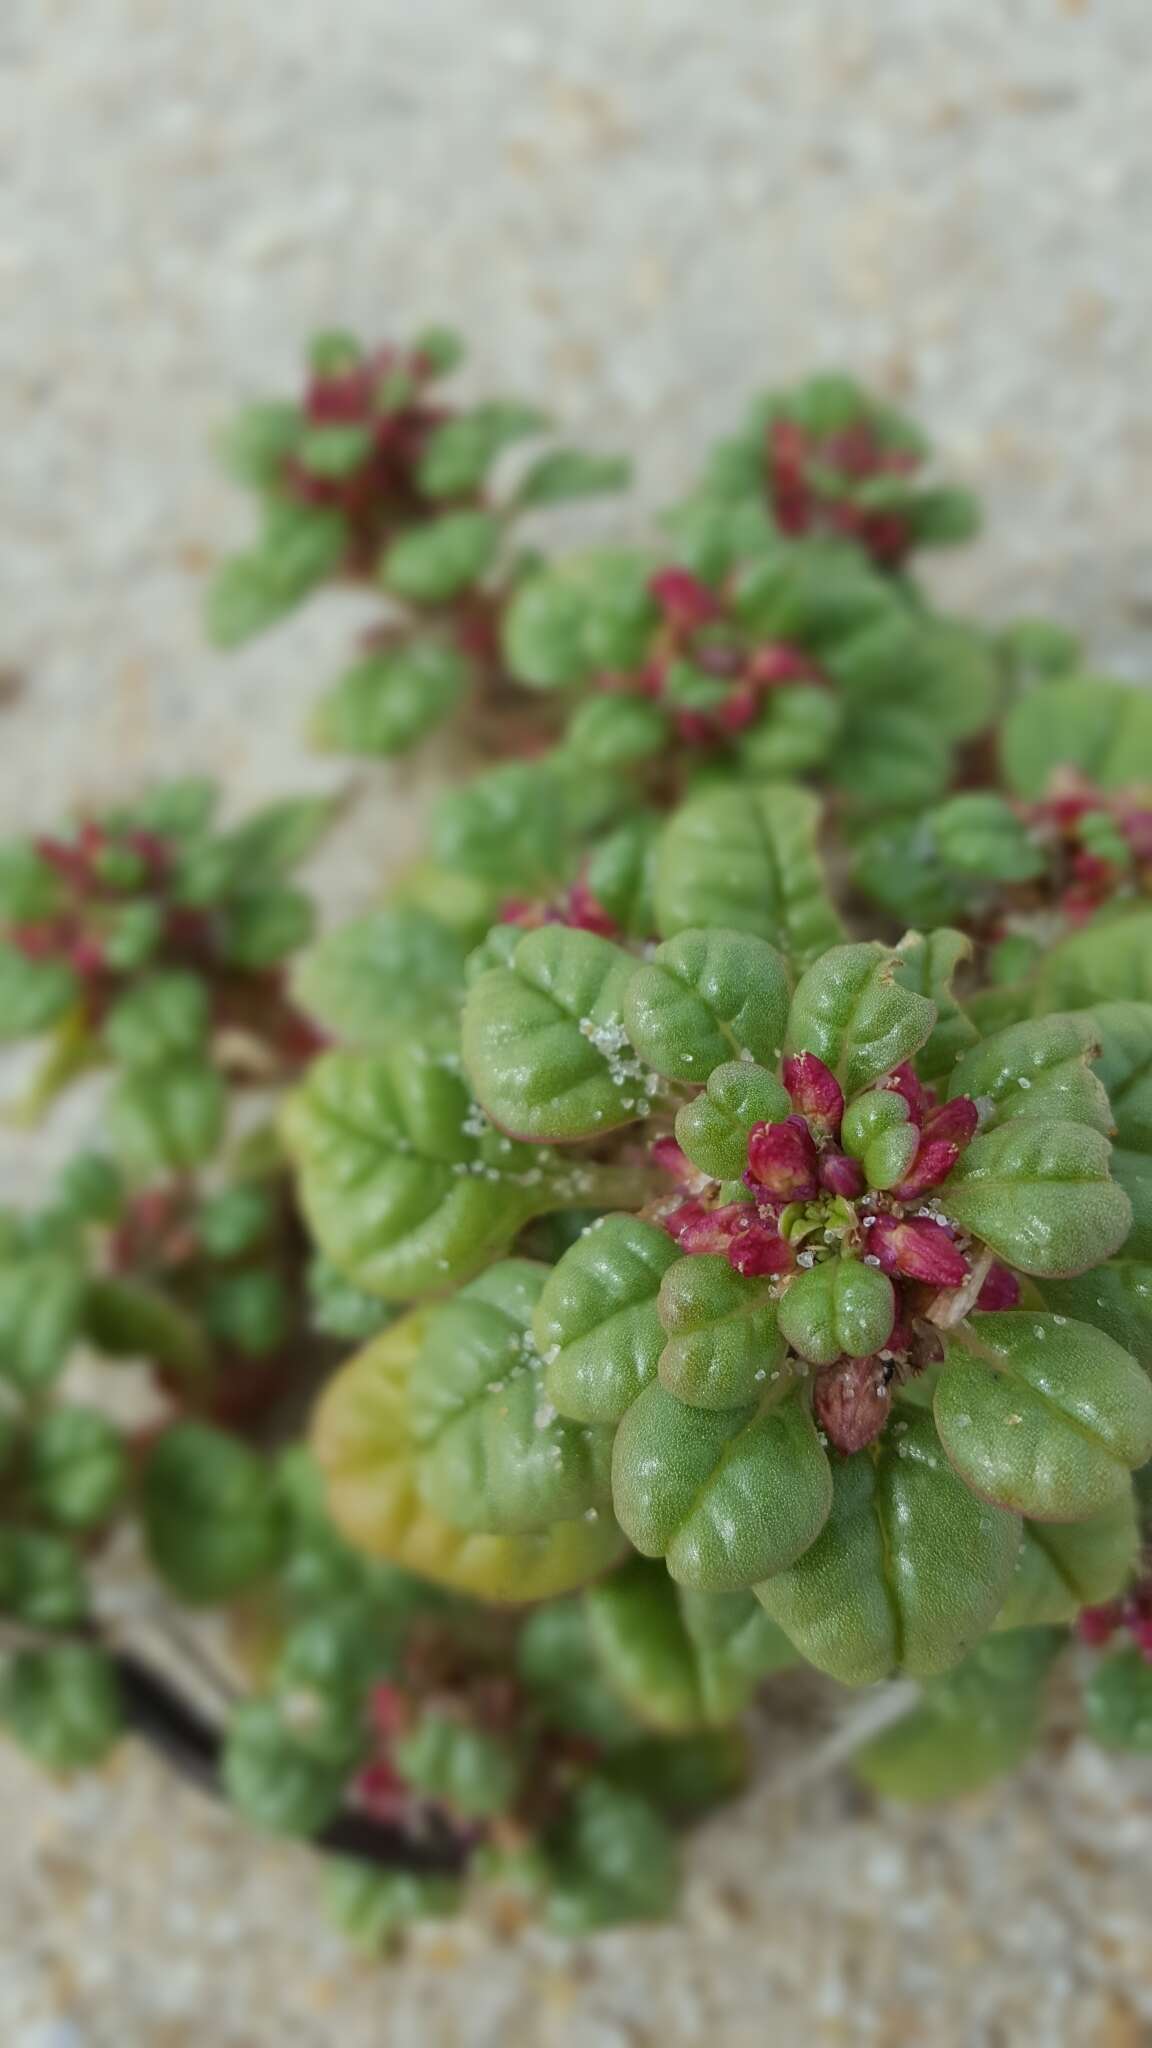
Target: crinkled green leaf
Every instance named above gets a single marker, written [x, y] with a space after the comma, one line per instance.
[164, 1017]
[545, 1042]
[382, 973]
[928, 963]
[612, 1858]
[41, 1299]
[618, 872]
[33, 993]
[705, 997]
[596, 1322]
[390, 698]
[974, 1725]
[508, 826]
[1040, 1192]
[439, 559]
[493, 1455]
[1045, 1416]
[363, 1445]
[1117, 1298]
[458, 454]
[839, 1308]
[978, 838]
[677, 1665]
[557, 1662]
[610, 731]
[908, 1573]
[167, 1117]
[1118, 1701]
[795, 734]
[133, 1319]
[724, 1347]
[855, 1013]
[590, 616]
[1101, 731]
[212, 1520]
[29, 888]
[566, 473]
[713, 1128]
[41, 1578]
[725, 1496]
[1109, 960]
[262, 926]
[1040, 1068]
[273, 1778]
[61, 1704]
[463, 1767]
[1064, 1566]
[76, 1466]
[746, 859]
[405, 1189]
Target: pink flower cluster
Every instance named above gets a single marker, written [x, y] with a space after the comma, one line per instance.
[802, 469]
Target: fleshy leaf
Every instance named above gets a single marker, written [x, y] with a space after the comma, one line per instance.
[1118, 1702]
[381, 973]
[493, 1457]
[724, 1347]
[974, 1725]
[590, 616]
[211, 1516]
[41, 1302]
[33, 993]
[909, 1570]
[360, 1436]
[679, 1660]
[928, 964]
[1044, 1416]
[853, 1011]
[705, 997]
[596, 1322]
[545, 1042]
[390, 698]
[1064, 1566]
[839, 1308]
[1040, 1192]
[404, 1192]
[725, 1496]
[746, 859]
[611, 1858]
[1099, 730]
[1110, 960]
[713, 1128]
[1038, 1068]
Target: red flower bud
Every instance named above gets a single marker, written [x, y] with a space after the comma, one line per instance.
[851, 1401]
[904, 1080]
[751, 1244]
[842, 1175]
[1001, 1289]
[918, 1249]
[760, 1250]
[684, 600]
[1097, 1625]
[782, 1159]
[586, 914]
[778, 663]
[666, 1153]
[946, 1131]
[814, 1089]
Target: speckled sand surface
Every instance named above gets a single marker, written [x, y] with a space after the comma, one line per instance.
[642, 208]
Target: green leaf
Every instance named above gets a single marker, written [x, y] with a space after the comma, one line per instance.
[928, 963]
[854, 1012]
[1039, 1191]
[41, 1297]
[545, 1042]
[1101, 731]
[839, 1308]
[211, 1517]
[131, 1319]
[746, 859]
[794, 735]
[508, 826]
[62, 1705]
[76, 1466]
[34, 994]
[590, 616]
[168, 1117]
[979, 838]
[618, 873]
[363, 1446]
[713, 1128]
[890, 758]
[1118, 1702]
[725, 1496]
[1040, 1068]
[254, 444]
[1064, 1566]
[41, 1578]
[389, 699]
[373, 1907]
[909, 1570]
[1116, 1298]
[680, 1661]
[164, 1017]
[1110, 960]
[244, 597]
[382, 973]
[1044, 1416]
[493, 1456]
[609, 732]
[458, 454]
[406, 1191]
[460, 1766]
[972, 1726]
[29, 889]
[596, 1322]
[259, 928]
[557, 1662]
[612, 1859]
[441, 558]
[566, 473]
[273, 1779]
[706, 997]
[724, 1345]
[276, 838]
[248, 1311]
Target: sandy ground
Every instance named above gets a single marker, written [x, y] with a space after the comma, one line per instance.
[642, 212]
